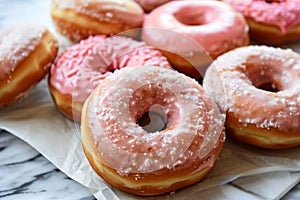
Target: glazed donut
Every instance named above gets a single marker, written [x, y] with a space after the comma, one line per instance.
[151, 163]
[149, 5]
[77, 70]
[197, 31]
[78, 19]
[272, 22]
[259, 89]
[26, 51]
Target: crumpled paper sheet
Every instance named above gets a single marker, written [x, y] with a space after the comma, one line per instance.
[36, 121]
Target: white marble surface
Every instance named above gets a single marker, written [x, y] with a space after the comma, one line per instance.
[26, 174]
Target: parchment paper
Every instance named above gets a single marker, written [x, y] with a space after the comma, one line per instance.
[36, 121]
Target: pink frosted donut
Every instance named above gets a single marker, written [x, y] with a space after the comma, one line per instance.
[149, 5]
[157, 162]
[271, 22]
[79, 69]
[26, 53]
[194, 30]
[259, 89]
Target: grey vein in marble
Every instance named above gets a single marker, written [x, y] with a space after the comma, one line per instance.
[26, 174]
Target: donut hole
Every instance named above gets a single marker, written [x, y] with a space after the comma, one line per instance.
[191, 17]
[154, 108]
[273, 1]
[266, 84]
[264, 78]
[152, 122]
[271, 87]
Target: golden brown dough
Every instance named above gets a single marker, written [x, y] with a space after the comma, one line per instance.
[78, 19]
[26, 52]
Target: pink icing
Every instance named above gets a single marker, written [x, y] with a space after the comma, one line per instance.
[213, 25]
[194, 124]
[16, 43]
[63, 72]
[284, 14]
[80, 68]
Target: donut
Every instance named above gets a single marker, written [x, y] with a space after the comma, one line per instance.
[149, 5]
[259, 89]
[26, 51]
[193, 33]
[77, 70]
[78, 19]
[156, 162]
[271, 22]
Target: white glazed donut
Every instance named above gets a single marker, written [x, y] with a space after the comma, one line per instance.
[259, 89]
[26, 53]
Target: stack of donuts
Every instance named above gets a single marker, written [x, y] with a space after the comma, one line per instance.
[203, 67]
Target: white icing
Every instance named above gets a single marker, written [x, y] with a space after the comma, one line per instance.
[16, 43]
[235, 91]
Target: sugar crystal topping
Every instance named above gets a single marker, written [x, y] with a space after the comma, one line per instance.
[191, 134]
[16, 43]
[252, 105]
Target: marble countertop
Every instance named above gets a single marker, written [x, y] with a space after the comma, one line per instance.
[26, 174]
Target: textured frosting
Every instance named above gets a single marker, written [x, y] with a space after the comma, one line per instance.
[194, 123]
[79, 69]
[16, 43]
[126, 12]
[213, 25]
[65, 69]
[234, 79]
[284, 14]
